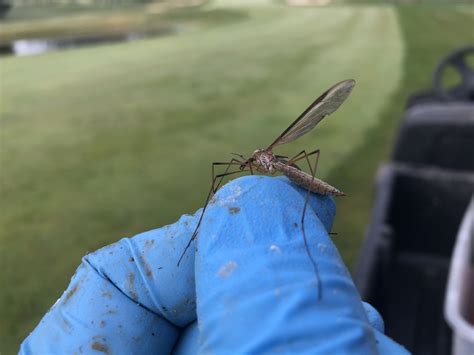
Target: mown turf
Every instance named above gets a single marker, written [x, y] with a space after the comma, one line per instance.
[110, 141]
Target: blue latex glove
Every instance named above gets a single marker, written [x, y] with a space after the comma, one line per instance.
[250, 285]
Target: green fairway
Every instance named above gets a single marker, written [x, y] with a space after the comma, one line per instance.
[110, 141]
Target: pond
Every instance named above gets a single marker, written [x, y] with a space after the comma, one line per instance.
[25, 47]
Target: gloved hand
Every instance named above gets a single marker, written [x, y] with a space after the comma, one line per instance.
[250, 287]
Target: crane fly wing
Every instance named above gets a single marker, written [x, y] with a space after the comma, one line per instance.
[323, 106]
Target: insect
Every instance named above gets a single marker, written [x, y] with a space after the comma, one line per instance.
[266, 162]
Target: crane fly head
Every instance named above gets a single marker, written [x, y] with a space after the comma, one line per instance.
[264, 159]
[255, 158]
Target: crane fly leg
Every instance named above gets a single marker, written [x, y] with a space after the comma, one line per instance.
[304, 155]
[297, 157]
[233, 161]
[305, 239]
[212, 191]
[239, 155]
[251, 170]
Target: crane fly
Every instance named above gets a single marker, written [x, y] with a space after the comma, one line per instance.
[266, 162]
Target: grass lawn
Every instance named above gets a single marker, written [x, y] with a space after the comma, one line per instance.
[110, 141]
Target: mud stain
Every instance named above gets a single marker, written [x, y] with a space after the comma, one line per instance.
[227, 269]
[131, 286]
[100, 347]
[234, 210]
[146, 266]
[149, 243]
[70, 293]
[107, 294]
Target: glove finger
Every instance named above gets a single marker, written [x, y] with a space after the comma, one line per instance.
[257, 290]
[128, 297]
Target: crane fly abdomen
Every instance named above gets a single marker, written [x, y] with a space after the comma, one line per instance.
[307, 181]
[267, 163]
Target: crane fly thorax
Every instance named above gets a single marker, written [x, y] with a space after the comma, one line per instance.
[264, 159]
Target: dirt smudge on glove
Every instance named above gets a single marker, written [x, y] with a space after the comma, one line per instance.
[70, 293]
[98, 343]
[234, 210]
[227, 269]
[131, 286]
[100, 347]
